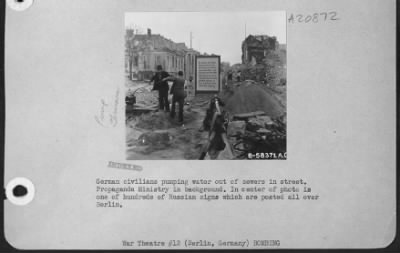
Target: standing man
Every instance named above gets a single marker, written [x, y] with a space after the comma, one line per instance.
[229, 76]
[162, 87]
[178, 94]
[238, 76]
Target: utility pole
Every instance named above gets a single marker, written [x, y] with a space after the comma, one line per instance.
[191, 37]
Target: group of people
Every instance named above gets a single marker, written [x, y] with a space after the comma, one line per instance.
[215, 124]
[178, 91]
[230, 76]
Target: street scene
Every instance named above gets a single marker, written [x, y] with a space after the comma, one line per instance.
[197, 89]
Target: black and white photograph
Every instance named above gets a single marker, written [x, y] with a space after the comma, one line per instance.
[200, 125]
[205, 85]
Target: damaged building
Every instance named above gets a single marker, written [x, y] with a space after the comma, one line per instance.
[264, 59]
[144, 52]
[255, 48]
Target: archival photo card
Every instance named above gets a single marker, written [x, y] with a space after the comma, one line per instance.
[205, 89]
[146, 124]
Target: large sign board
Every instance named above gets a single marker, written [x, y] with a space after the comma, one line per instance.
[207, 74]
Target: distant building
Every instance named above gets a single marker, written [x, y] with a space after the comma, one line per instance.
[145, 51]
[190, 64]
[256, 47]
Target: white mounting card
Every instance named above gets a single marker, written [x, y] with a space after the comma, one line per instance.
[87, 168]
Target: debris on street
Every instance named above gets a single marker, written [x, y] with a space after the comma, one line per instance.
[257, 122]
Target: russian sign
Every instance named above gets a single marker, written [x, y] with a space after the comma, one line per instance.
[207, 74]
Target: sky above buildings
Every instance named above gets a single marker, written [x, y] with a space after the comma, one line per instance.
[220, 33]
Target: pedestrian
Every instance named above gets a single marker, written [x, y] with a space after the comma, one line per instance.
[178, 94]
[162, 87]
[229, 76]
[238, 76]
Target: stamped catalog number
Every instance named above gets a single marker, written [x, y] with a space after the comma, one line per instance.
[314, 18]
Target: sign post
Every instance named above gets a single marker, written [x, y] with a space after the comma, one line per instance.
[207, 74]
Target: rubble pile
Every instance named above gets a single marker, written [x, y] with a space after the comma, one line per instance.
[250, 97]
[143, 97]
[153, 141]
[154, 138]
[265, 125]
[257, 124]
[236, 127]
[149, 142]
[193, 136]
[258, 120]
[256, 72]
[162, 119]
[155, 120]
[281, 94]
[258, 134]
[201, 100]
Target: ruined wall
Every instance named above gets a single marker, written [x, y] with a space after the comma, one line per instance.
[263, 60]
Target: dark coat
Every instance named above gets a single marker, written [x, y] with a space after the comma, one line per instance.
[178, 87]
[159, 84]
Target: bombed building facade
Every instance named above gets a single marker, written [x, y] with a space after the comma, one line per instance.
[264, 59]
[255, 48]
[144, 52]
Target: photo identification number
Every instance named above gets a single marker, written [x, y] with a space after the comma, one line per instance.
[313, 18]
[266, 155]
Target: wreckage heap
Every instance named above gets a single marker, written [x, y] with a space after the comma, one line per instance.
[257, 124]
